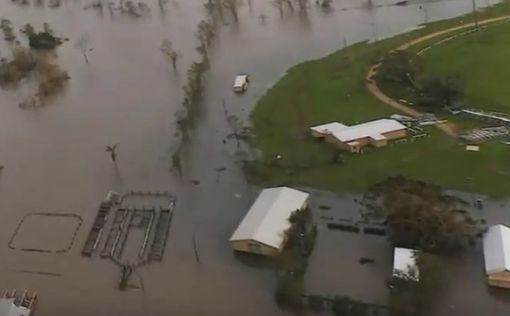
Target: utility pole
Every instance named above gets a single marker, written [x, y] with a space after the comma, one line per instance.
[475, 13]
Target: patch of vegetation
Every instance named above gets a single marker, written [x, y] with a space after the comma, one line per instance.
[477, 59]
[33, 64]
[289, 291]
[411, 298]
[293, 261]
[401, 74]
[344, 306]
[420, 215]
[333, 89]
[43, 40]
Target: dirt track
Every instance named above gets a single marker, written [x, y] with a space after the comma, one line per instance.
[447, 128]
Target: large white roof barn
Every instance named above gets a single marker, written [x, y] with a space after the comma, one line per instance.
[496, 251]
[262, 230]
[404, 264]
[376, 133]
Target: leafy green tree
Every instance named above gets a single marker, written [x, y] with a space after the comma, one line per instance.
[439, 92]
[400, 67]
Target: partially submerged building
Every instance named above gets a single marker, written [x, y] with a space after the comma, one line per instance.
[352, 138]
[404, 264]
[496, 251]
[12, 304]
[263, 229]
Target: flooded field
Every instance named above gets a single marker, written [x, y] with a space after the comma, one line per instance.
[55, 159]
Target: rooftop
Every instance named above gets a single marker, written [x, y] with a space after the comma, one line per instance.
[373, 129]
[496, 249]
[268, 218]
[9, 308]
[404, 263]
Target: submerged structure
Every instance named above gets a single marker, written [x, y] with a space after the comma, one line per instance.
[139, 221]
[262, 231]
[14, 304]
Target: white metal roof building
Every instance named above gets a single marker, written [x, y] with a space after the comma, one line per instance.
[375, 133]
[263, 228]
[404, 263]
[496, 251]
[9, 308]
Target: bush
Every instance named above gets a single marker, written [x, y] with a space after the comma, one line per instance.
[344, 306]
[289, 292]
[8, 73]
[43, 40]
[316, 303]
[23, 59]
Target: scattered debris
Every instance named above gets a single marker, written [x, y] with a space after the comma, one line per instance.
[472, 148]
[364, 260]
[485, 134]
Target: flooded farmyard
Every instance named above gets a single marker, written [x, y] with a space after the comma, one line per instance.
[126, 92]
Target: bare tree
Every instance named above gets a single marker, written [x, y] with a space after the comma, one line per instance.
[233, 7]
[113, 152]
[289, 4]
[279, 5]
[168, 50]
[302, 4]
[83, 45]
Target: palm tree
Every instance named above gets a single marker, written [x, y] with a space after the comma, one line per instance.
[113, 152]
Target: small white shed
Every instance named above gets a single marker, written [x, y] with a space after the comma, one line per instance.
[496, 251]
[404, 264]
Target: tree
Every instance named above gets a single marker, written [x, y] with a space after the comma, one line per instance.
[400, 67]
[168, 50]
[83, 45]
[113, 152]
[233, 7]
[420, 216]
[302, 4]
[344, 306]
[279, 5]
[439, 92]
[289, 291]
[6, 26]
[409, 297]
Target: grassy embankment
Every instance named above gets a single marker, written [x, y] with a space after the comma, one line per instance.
[333, 88]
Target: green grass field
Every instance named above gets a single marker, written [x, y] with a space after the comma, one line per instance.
[333, 88]
[481, 61]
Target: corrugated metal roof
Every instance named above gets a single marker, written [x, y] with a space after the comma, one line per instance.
[240, 80]
[268, 218]
[373, 129]
[8, 308]
[496, 249]
[404, 262]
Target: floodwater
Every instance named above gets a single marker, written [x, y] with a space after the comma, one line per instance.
[55, 159]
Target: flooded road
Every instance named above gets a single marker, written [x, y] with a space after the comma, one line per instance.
[55, 159]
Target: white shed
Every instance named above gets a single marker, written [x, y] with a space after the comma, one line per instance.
[404, 264]
[496, 251]
[262, 230]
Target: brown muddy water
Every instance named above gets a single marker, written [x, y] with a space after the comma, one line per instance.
[55, 159]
